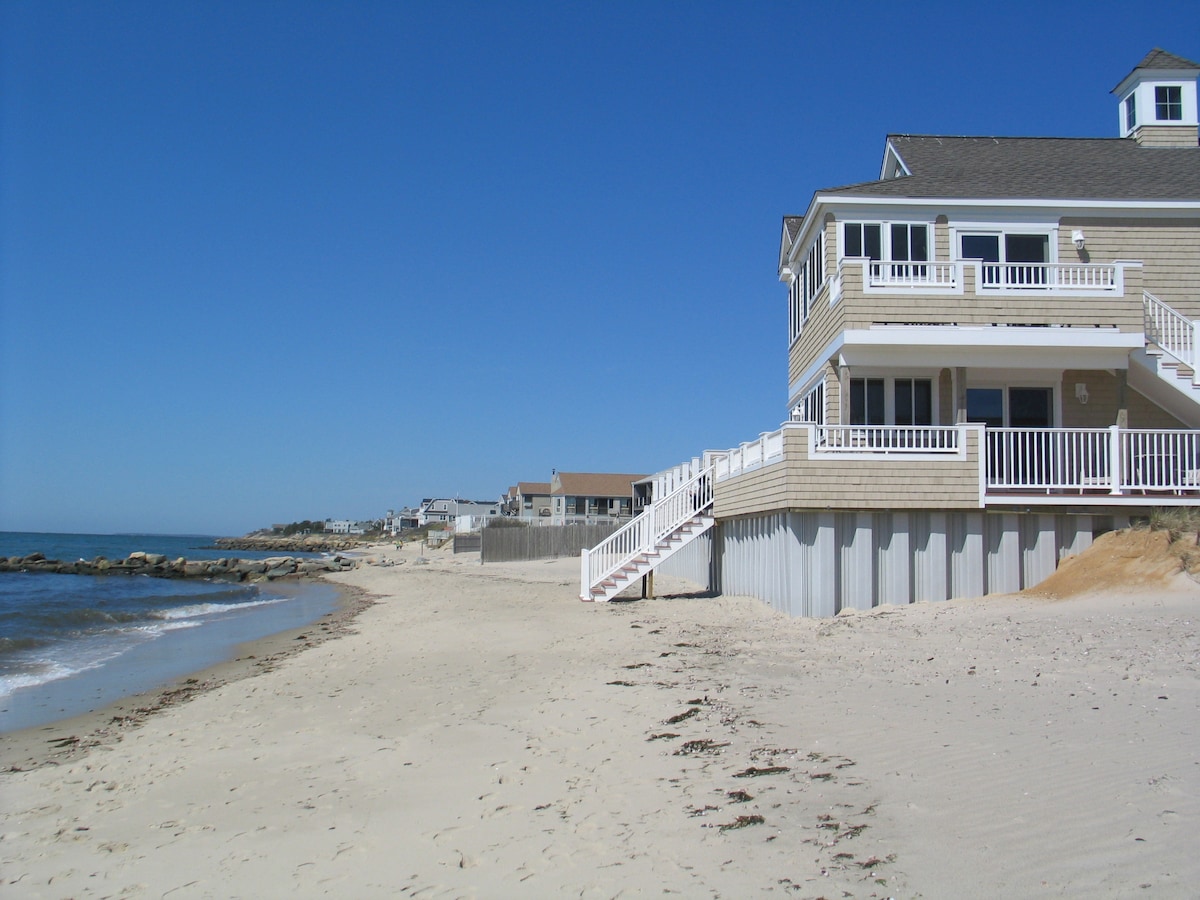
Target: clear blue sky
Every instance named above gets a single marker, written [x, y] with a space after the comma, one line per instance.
[262, 262]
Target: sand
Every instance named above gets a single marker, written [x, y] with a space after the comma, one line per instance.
[479, 732]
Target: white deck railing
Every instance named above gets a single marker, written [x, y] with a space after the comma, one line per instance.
[1176, 334]
[1093, 278]
[886, 438]
[1049, 276]
[1119, 460]
[914, 275]
[747, 456]
[1032, 461]
[643, 534]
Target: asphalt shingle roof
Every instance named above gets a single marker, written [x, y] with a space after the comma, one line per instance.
[1036, 168]
[1161, 59]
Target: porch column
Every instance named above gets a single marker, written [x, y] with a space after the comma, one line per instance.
[844, 395]
[1122, 401]
[960, 395]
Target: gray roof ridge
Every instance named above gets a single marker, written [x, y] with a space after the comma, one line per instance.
[1001, 137]
[1159, 59]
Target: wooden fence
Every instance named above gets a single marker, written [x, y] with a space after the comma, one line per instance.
[467, 543]
[511, 544]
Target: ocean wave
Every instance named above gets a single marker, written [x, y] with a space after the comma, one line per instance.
[196, 610]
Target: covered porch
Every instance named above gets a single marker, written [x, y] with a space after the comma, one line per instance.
[969, 465]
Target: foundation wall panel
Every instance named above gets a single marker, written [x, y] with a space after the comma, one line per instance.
[818, 563]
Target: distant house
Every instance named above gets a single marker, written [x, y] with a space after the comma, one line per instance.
[445, 509]
[591, 496]
[402, 520]
[530, 500]
[346, 526]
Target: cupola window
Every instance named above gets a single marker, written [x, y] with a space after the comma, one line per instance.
[1168, 103]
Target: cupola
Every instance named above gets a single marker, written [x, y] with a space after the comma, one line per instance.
[1158, 101]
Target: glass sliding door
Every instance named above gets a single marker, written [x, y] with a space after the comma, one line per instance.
[1026, 248]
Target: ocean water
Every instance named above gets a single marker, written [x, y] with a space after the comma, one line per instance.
[70, 644]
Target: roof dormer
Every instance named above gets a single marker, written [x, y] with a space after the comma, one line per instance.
[1158, 101]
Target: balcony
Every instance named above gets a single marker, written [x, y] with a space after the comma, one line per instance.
[1089, 279]
[867, 292]
[960, 466]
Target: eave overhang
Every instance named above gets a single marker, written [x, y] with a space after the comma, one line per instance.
[989, 347]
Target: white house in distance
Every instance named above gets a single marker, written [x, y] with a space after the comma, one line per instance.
[345, 526]
[443, 509]
[991, 357]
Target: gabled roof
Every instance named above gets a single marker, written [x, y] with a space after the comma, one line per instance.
[1160, 59]
[1035, 168]
[529, 488]
[590, 484]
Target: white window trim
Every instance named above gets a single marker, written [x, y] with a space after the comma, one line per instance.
[885, 235]
[889, 377]
[1054, 383]
[1000, 230]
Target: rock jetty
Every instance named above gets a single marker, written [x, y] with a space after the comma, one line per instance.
[300, 543]
[159, 566]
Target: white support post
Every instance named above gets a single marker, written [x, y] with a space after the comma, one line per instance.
[585, 574]
[1192, 356]
[1114, 459]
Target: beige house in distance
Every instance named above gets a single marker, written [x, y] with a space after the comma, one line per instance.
[528, 500]
[591, 497]
[991, 357]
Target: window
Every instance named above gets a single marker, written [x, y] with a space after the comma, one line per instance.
[1025, 407]
[1168, 103]
[812, 407]
[914, 401]
[1033, 250]
[909, 243]
[911, 401]
[888, 243]
[806, 285]
[863, 240]
[866, 401]
[1130, 112]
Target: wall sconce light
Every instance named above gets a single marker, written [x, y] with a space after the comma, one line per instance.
[1078, 239]
[1081, 393]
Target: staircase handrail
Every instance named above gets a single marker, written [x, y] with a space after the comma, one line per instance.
[1169, 329]
[643, 534]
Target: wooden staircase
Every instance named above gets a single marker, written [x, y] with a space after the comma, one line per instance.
[1166, 371]
[665, 527]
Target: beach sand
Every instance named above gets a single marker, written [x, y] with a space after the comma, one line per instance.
[479, 732]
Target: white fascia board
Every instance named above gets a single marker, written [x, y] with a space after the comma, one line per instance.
[990, 347]
[805, 380]
[1064, 204]
[891, 153]
[802, 236]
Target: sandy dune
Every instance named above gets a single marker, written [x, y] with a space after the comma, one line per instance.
[481, 733]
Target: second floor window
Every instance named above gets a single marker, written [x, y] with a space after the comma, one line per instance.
[811, 408]
[1130, 112]
[910, 401]
[806, 285]
[863, 240]
[1168, 103]
[888, 243]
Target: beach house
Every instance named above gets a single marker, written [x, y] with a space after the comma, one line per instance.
[528, 500]
[591, 496]
[991, 357]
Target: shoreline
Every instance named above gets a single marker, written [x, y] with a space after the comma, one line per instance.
[61, 741]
